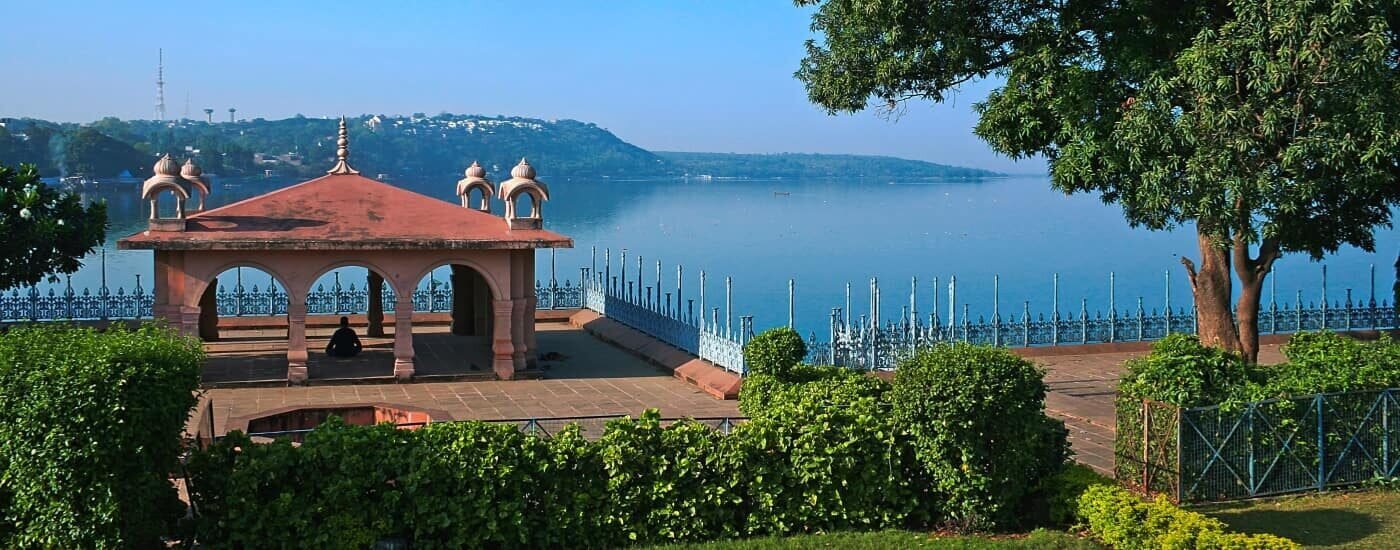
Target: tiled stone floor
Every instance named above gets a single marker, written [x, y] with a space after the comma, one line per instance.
[594, 378]
[590, 378]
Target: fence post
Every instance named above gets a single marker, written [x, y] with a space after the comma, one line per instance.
[1140, 314]
[1385, 431]
[1371, 305]
[1321, 442]
[1249, 440]
[996, 310]
[1168, 302]
[792, 290]
[1180, 492]
[1273, 301]
[1324, 297]
[702, 300]
[1112, 310]
[1055, 306]
[1026, 324]
[1146, 447]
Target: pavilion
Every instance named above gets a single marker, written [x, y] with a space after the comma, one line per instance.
[301, 232]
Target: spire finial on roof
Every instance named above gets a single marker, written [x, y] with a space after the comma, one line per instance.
[342, 153]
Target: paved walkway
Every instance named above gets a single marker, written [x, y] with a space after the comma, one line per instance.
[1082, 390]
[588, 378]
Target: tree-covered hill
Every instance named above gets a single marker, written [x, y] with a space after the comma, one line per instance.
[802, 165]
[418, 145]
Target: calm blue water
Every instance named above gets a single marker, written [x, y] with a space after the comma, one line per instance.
[825, 234]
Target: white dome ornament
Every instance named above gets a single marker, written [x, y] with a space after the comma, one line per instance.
[523, 182]
[166, 179]
[194, 175]
[476, 180]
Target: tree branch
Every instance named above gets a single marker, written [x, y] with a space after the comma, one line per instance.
[1190, 272]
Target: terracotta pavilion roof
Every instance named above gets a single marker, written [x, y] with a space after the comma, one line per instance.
[344, 211]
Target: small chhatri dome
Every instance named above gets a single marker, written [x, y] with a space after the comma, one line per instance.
[166, 167]
[190, 169]
[523, 170]
[476, 179]
[342, 153]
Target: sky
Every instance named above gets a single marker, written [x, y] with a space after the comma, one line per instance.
[681, 75]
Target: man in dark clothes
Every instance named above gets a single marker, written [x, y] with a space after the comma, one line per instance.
[344, 343]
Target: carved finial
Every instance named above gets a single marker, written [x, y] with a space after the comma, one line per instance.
[342, 153]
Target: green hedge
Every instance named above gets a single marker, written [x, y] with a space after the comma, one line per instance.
[1183, 372]
[774, 352]
[976, 415]
[469, 484]
[1125, 522]
[90, 429]
[825, 449]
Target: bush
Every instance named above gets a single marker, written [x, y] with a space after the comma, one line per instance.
[977, 418]
[1123, 521]
[468, 484]
[1061, 493]
[1185, 373]
[90, 430]
[774, 351]
[1325, 362]
[765, 394]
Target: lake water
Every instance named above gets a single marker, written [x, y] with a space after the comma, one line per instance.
[825, 234]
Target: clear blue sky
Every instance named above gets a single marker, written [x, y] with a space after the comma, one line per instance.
[665, 75]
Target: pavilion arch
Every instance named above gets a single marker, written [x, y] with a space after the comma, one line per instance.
[491, 281]
[372, 267]
[252, 300]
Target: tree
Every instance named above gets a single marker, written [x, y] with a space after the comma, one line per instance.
[47, 232]
[1272, 127]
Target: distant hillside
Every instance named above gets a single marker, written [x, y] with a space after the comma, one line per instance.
[801, 165]
[396, 145]
[417, 145]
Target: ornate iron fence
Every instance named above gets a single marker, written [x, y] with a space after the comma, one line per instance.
[867, 343]
[239, 300]
[658, 313]
[1262, 448]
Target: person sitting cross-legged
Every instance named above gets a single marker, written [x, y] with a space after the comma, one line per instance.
[344, 343]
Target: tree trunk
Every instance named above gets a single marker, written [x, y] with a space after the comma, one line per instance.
[1211, 286]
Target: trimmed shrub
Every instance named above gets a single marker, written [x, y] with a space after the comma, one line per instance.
[1183, 372]
[977, 418]
[765, 394]
[664, 484]
[90, 431]
[1061, 493]
[1125, 522]
[774, 351]
[1324, 362]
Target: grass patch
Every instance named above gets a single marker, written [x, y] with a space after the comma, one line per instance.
[1040, 539]
[1369, 519]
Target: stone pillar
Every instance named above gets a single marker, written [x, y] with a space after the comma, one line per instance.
[375, 309]
[296, 342]
[502, 347]
[531, 301]
[403, 337]
[518, 282]
[209, 312]
[463, 321]
[481, 307]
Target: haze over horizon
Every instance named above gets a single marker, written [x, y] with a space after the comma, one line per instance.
[684, 76]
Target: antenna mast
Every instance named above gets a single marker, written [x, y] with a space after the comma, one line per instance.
[160, 86]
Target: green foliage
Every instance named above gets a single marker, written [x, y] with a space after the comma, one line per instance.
[1039, 539]
[1062, 491]
[1324, 362]
[90, 430]
[46, 232]
[1185, 373]
[1125, 522]
[89, 152]
[1182, 372]
[977, 418]
[1269, 127]
[766, 395]
[774, 351]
